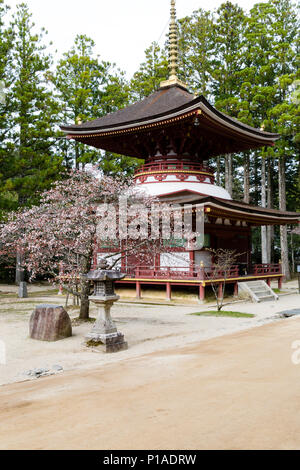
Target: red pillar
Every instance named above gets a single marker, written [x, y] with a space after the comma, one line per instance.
[168, 291]
[269, 282]
[280, 283]
[236, 289]
[138, 290]
[202, 292]
[220, 290]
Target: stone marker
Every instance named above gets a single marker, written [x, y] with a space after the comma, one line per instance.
[23, 290]
[49, 323]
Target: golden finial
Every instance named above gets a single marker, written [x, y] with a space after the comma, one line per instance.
[173, 46]
[173, 51]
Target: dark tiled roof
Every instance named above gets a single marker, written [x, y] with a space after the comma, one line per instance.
[159, 102]
[174, 100]
[228, 205]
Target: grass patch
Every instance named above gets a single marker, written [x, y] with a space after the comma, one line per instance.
[223, 313]
[280, 291]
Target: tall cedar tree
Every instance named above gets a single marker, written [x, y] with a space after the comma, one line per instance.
[88, 89]
[151, 72]
[270, 33]
[227, 66]
[6, 201]
[31, 137]
[196, 45]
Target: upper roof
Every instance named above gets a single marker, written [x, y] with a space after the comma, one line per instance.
[172, 107]
[158, 103]
[164, 102]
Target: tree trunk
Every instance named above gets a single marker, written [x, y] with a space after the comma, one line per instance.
[264, 251]
[247, 178]
[270, 228]
[283, 228]
[76, 156]
[84, 299]
[228, 173]
[218, 173]
[85, 266]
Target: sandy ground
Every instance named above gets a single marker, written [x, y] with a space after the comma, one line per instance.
[239, 391]
[147, 328]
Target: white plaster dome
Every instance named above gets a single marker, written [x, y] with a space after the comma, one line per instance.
[169, 187]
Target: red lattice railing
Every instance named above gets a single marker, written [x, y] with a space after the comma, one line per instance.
[176, 165]
[267, 268]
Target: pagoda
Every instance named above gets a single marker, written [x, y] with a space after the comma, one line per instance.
[176, 134]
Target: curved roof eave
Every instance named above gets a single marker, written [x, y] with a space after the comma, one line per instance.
[199, 103]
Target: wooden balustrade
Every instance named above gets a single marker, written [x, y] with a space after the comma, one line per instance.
[197, 273]
[175, 165]
[267, 268]
[181, 272]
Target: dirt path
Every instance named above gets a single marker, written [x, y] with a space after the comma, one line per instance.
[240, 391]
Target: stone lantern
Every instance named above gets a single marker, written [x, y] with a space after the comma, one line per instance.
[104, 330]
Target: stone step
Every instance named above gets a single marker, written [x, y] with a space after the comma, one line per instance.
[258, 290]
[262, 293]
[266, 297]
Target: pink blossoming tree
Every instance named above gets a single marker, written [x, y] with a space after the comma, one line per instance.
[64, 228]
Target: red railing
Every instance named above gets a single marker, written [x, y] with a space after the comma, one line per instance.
[205, 273]
[180, 272]
[267, 268]
[212, 273]
[174, 165]
[198, 272]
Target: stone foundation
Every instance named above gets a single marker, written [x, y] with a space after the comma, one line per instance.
[112, 343]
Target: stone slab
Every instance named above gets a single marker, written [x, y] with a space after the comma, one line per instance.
[50, 323]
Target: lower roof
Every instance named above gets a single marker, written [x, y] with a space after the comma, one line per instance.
[235, 210]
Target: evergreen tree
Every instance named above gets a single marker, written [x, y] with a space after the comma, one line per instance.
[151, 73]
[270, 34]
[33, 113]
[5, 107]
[196, 45]
[88, 89]
[226, 71]
[228, 57]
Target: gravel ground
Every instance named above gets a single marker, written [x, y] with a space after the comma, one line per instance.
[147, 328]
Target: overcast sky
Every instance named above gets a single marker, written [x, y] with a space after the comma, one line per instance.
[121, 29]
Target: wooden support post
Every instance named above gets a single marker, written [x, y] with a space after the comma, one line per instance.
[280, 283]
[202, 293]
[138, 289]
[168, 291]
[269, 282]
[220, 290]
[236, 290]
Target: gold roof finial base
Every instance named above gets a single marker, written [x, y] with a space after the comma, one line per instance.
[172, 81]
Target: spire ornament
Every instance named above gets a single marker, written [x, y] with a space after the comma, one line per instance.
[173, 51]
